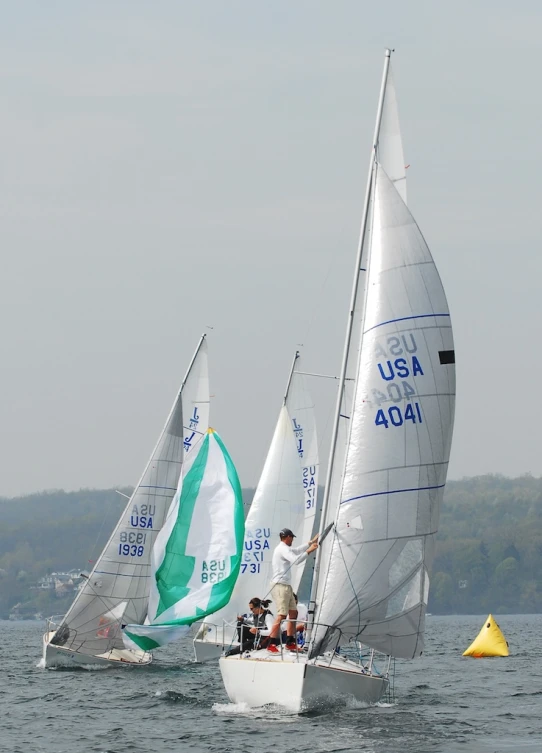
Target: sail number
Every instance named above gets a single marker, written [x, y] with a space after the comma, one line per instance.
[253, 568]
[131, 550]
[396, 417]
[132, 537]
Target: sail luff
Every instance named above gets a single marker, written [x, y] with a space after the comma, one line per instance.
[358, 292]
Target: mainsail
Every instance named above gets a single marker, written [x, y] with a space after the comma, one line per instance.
[117, 589]
[379, 559]
[388, 148]
[285, 497]
[197, 554]
[387, 474]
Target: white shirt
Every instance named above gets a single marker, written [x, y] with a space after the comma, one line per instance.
[284, 557]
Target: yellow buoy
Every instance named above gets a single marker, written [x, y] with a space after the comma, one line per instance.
[489, 642]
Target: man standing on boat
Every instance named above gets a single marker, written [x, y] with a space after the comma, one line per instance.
[284, 557]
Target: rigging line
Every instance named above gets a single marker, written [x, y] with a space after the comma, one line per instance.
[351, 584]
[318, 298]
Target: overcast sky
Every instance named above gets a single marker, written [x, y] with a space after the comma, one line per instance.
[165, 166]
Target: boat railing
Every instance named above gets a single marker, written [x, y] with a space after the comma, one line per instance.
[53, 623]
[211, 632]
[369, 661]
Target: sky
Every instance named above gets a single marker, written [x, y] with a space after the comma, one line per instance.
[172, 167]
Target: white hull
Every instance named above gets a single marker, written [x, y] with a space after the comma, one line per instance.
[297, 684]
[207, 651]
[59, 656]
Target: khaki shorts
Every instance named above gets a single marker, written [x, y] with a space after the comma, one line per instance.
[283, 598]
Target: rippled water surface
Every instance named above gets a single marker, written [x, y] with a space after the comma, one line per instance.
[443, 702]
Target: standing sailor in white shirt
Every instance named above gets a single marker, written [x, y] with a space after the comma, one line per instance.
[284, 556]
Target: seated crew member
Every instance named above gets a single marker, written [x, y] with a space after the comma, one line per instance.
[251, 630]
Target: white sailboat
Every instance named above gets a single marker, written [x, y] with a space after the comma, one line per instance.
[117, 590]
[388, 462]
[285, 496]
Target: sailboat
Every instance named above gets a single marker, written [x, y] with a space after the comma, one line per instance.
[389, 454]
[285, 497]
[116, 591]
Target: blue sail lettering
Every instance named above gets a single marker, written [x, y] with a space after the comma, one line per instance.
[401, 367]
[416, 367]
[390, 368]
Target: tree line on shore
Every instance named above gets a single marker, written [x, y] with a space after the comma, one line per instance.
[488, 555]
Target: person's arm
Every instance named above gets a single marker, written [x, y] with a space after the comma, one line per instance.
[310, 545]
[269, 622]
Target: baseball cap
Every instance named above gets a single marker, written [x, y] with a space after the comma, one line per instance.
[286, 532]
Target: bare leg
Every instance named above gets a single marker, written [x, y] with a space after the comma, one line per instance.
[276, 626]
[292, 616]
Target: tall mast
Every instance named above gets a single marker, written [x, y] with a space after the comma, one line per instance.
[189, 369]
[349, 327]
[290, 376]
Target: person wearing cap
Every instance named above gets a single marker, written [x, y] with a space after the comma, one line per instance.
[284, 557]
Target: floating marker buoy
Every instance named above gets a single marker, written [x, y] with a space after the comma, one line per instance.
[489, 642]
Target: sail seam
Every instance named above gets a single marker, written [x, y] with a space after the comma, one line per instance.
[150, 486]
[393, 491]
[402, 319]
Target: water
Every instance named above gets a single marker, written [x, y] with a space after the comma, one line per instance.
[444, 703]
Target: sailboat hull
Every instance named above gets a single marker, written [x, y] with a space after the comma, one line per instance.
[297, 684]
[59, 656]
[207, 651]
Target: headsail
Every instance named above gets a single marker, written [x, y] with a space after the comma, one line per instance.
[285, 496]
[380, 555]
[117, 589]
[197, 554]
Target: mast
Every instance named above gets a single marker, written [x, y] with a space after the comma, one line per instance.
[290, 377]
[189, 369]
[349, 327]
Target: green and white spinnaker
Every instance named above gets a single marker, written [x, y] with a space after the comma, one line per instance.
[197, 555]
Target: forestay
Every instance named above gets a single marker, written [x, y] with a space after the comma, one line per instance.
[197, 554]
[378, 560]
[285, 497]
[117, 589]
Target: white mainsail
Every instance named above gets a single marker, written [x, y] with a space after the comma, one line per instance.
[389, 148]
[285, 497]
[117, 589]
[389, 151]
[378, 561]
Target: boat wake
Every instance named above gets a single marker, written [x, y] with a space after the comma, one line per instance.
[269, 712]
